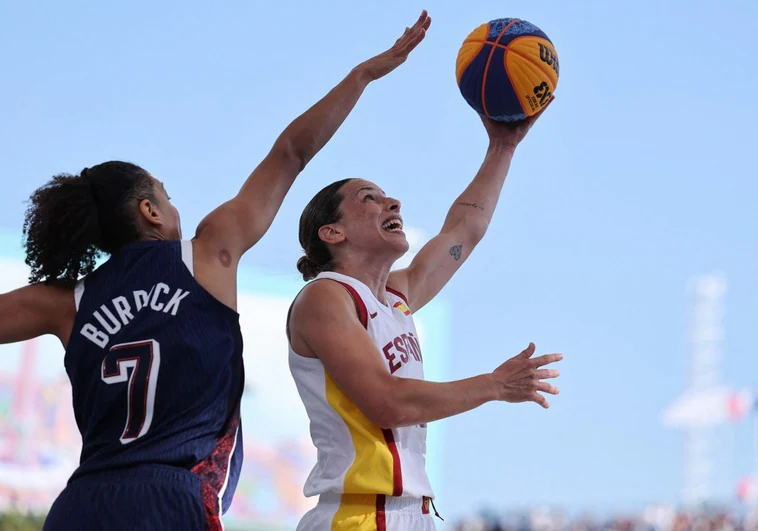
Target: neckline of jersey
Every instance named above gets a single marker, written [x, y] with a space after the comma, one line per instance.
[384, 306]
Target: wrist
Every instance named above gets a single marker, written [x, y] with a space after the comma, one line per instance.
[361, 75]
[502, 146]
[491, 387]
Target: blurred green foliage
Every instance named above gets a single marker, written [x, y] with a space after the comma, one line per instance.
[20, 522]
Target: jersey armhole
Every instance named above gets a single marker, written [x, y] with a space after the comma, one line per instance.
[187, 256]
[360, 307]
[78, 293]
[399, 294]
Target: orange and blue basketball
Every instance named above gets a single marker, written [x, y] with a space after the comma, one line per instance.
[507, 69]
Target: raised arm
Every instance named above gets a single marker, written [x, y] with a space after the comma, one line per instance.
[466, 221]
[352, 360]
[37, 310]
[240, 222]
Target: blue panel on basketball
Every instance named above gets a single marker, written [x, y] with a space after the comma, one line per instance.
[519, 28]
[500, 104]
[495, 27]
[472, 80]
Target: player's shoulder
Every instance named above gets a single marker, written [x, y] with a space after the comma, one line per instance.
[52, 295]
[322, 293]
[323, 302]
[56, 300]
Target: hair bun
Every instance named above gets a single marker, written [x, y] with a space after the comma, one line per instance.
[308, 268]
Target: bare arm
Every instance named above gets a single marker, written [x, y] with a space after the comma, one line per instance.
[239, 223]
[352, 360]
[36, 310]
[466, 222]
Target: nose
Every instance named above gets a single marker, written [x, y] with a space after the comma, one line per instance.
[393, 205]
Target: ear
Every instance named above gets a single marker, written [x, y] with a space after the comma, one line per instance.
[150, 213]
[332, 234]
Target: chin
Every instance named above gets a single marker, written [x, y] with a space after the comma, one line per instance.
[395, 245]
[401, 247]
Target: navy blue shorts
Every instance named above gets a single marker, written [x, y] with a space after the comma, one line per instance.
[144, 498]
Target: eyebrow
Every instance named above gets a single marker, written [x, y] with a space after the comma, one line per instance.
[370, 189]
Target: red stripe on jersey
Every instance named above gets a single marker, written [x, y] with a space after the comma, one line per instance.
[381, 519]
[213, 471]
[359, 304]
[397, 470]
[398, 294]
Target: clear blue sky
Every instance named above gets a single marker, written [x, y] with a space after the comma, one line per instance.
[641, 175]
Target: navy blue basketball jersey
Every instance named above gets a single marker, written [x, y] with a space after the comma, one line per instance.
[155, 364]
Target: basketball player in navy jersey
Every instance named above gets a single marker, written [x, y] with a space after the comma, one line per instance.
[152, 337]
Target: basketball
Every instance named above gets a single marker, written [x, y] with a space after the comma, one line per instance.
[507, 69]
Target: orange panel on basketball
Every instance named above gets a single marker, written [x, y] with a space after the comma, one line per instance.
[471, 47]
[532, 66]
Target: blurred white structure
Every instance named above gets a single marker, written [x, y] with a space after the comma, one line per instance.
[708, 407]
[706, 403]
[707, 336]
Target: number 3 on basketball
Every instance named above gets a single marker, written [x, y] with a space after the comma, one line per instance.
[137, 364]
[542, 91]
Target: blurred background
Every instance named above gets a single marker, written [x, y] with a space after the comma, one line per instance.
[625, 238]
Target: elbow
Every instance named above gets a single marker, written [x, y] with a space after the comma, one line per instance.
[475, 228]
[290, 153]
[388, 414]
[387, 403]
[386, 420]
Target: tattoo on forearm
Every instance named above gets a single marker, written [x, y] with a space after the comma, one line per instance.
[455, 252]
[473, 205]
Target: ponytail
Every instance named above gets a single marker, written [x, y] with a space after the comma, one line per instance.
[62, 230]
[72, 220]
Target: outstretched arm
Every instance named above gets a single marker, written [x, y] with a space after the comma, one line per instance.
[36, 310]
[352, 360]
[466, 221]
[240, 222]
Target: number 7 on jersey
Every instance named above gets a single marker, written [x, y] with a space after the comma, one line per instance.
[137, 364]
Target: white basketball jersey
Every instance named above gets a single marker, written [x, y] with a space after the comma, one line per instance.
[355, 456]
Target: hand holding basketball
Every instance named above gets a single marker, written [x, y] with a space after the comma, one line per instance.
[387, 61]
[511, 133]
[520, 378]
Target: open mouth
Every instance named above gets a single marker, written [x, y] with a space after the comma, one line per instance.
[393, 225]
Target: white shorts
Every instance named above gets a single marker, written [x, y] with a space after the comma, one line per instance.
[368, 512]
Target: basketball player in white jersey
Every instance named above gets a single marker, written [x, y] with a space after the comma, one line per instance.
[355, 353]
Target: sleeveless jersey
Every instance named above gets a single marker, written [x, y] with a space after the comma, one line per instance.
[156, 370]
[355, 456]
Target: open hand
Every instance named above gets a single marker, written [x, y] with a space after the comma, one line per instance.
[386, 62]
[520, 378]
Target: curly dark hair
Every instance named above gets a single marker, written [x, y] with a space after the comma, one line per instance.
[322, 210]
[73, 219]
